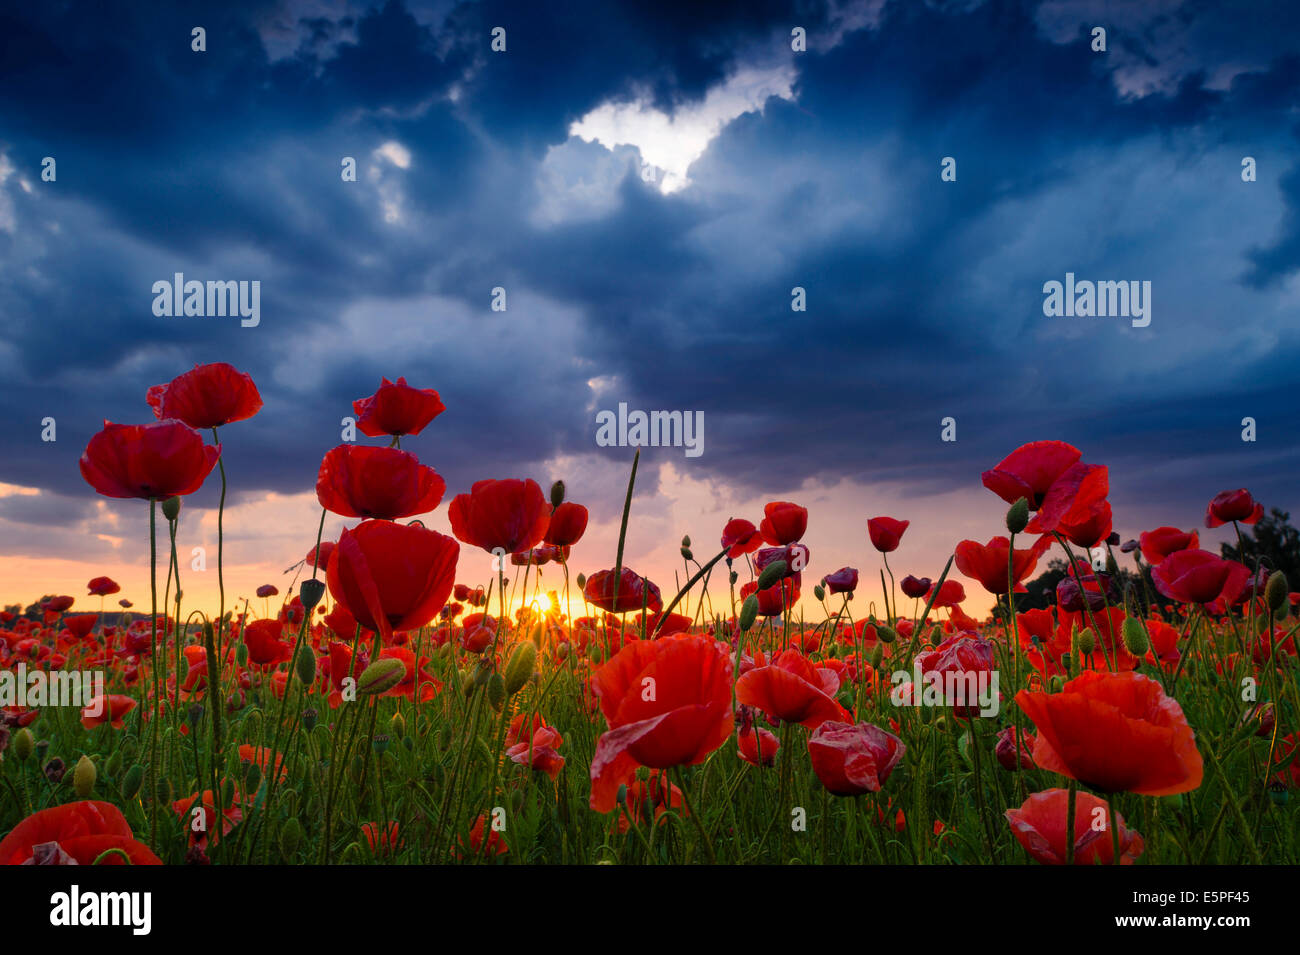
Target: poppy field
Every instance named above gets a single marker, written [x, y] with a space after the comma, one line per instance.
[505, 696]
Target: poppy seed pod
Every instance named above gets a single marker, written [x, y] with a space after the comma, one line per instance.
[380, 676]
[1275, 591]
[171, 508]
[520, 668]
[311, 592]
[1018, 516]
[83, 777]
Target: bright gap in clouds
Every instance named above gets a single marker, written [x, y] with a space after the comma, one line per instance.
[672, 143]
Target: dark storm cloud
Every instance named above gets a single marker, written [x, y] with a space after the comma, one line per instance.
[924, 297]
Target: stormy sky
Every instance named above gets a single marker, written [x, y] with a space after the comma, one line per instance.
[648, 182]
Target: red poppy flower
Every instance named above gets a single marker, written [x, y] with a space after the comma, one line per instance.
[494, 844]
[539, 752]
[885, 533]
[783, 523]
[668, 703]
[987, 563]
[1197, 576]
[775, 600]
[915, 587]
[753, 740]
[109, 708]
[267, 590]
[1085, 526]
[397, 408]
[568, 524]
[510, 515]
[384, 483]
[57, 604]
[392, 577]
[157, 460]
[950, 594]
[793, 690]
[853, 759]
[740, 537]
[102, 586]
[1229, 506]
[843, 581]
[207, 397]
[381, 843]
[1040, 823]
[963, 663]
[326, 548]
[265, 648]
[232, 815]
[80, 624]
[633, 590]
[1074, 500]
[261, 756]
[1115, 732]
[1160, 543]
[1030, 471]
[1008, 753]
[79, 833]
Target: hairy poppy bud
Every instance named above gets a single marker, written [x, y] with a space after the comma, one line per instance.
[1055, 684]
[132, 782]
[819, 592]
[171, 508]
[305, 666]
[557, 494]
[83, 777]
[520, 667]
[1018, 516]
[380, 676]
[496, 690]
[1087, 641]
[310, 593]
[1275, 591]
[886, 634]
[398, 725]
[582, 581]
[252, 778]
[748, 612]
[252, 725]
[686, 540]
[241, 653]
[772, 573]
[24, 743]
[1135, 637]
[877, 655]
[444, 736]
[290, 836]
[686, 554]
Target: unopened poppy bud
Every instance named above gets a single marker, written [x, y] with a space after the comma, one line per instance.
[83, 777]
[290, 836]
[819, 592]
[622, 793]
[114, 764]
[686, 540]
[748, 612]
[520, 668]
[310, 592]
[171, 508]
[886, 634]
[734, 577]
[380, 676]
[877, 655]
[306, 666]
[772, 573]
[162, 790]
[1087, 641]
[24, 744]
[1055, 684]
[241, 654]
[496, 690]
[1275, 591]
[310, 718]
[1067, 661]
[1018, 516]
[557, 494]
[252, 724]
[252, 778]
[444, 736]
[686, 554]
[1135, 637]
[562, 650]
[132, 781]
